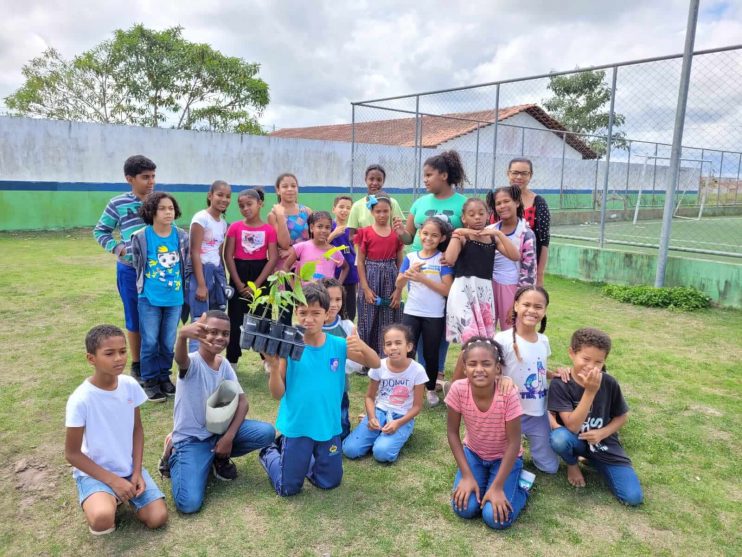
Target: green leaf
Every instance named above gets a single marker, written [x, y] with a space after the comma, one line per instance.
[307, 271]
[332, 251]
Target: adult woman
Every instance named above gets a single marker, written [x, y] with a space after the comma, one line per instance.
[360, 216]
[536, 212]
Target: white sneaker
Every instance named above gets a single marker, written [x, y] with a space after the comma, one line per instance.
[433, 399]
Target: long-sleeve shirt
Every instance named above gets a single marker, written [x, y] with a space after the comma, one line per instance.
[122, 212]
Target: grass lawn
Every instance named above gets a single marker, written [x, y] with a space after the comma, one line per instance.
[679, 372]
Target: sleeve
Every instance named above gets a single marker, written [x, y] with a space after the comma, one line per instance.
[138, 256]
[548, 346]
[558, 398]
[198, 218]
[103, 231]
[421, 377]
[353, 217]
[299, 249]
[513, 408]
[543, 221]
[618, 403]
[414, 208]
[230, 375]
[338, 258]
[137, 394]
[232, 230]
[527, 273]
[375, 374]
[271, 236]
[446, 270]
[396, 210]
[405, 264]
[76, 412]
[454, 396]
[360, 240]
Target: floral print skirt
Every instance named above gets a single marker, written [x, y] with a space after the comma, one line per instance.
[470, 310]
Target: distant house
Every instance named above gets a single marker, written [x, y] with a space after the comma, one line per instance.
[524, 129]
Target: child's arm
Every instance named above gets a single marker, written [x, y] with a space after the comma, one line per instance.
[417, 406]
[504, 245]
[232, 267]
[468, 484]
[103, 231]
[442, 288]
[344, 270]
[196, 237]
[291, 260]
[564, 373]
[458, 239]
[591, 381]
[496, 494]
[277, 219]
[339, 231]
[360, 352]
[269, 265]
[196, 331]
[595, 436]
[405, 230]
[137, 454]
[396, 298]
[368, 294]
[277, 377]
[223, 447]
[370, 403]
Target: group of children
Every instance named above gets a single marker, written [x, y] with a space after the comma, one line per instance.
[500, 385]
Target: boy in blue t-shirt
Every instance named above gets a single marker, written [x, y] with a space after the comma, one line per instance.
[310, 391]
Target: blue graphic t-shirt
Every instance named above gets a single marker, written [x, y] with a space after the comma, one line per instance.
[163, 280]
[310, 407]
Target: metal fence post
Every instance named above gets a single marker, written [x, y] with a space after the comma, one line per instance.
[604, 203]
[561, 178]
[522, 142]
[352, 146]
[654, 171]
[418, 147]
[702, 184]
[476, 164]
[736, 184]
[628, 167]
[721, 174]
[494, 135]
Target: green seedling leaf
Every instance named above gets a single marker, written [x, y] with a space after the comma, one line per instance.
[332, 251]
[307, 271]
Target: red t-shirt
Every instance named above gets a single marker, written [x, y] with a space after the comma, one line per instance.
[251, 242]
[375, 247]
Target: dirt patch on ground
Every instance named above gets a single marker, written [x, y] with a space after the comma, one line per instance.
[34, 481]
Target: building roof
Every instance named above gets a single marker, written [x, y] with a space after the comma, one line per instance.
[436, 130]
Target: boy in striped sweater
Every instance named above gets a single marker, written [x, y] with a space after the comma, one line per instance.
[122, 213]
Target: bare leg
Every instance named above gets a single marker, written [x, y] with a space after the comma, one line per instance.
[100, 512]
[154, 514]
[135, 344]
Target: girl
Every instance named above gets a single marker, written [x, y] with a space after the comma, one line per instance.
[489, 461]
[470, 310]
[206, 286]
[379, 258]
[320, 226]
[250, 254]
[159, 252]
[360, 216]
[428, 281]
[288, 216]
[393, 399]
[505, 203]
[525, 353]
[340, 236]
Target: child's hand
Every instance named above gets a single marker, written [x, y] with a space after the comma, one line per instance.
[369, 295]
[398, 226]
[223, 447]
[501, 507]
[591, 379]
[353, 343]
[202, 293]
[463, 491]
[272, 361]
[374, 424]
[123, 489]
[564, 373]
[396, 298]
[283, 253]
[592, 437]
[196, 330]
[278, 210]
[505, 385]
[138, 482]
[391, 427]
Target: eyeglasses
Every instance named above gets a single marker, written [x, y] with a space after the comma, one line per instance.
[519, 173]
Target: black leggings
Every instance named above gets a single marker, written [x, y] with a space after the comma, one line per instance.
[431, 329]
[350, 301]
[247, 269]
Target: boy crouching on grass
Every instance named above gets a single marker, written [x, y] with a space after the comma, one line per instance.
[105, 439]
[196, 451]
[310, 391]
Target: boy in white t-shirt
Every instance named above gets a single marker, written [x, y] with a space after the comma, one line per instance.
[393, 400]
[105, 440]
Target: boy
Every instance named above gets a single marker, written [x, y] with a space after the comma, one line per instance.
[196, 451]
[310, 391]
[105, 440]
[122, 212]
[340, 236]
[591, 409]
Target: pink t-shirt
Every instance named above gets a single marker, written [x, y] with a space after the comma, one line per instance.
[251, 242]
[485, 431]
[307, 251]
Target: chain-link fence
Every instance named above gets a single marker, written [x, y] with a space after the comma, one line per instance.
[583, 130]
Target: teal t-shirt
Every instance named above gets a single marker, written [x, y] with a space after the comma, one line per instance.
[429, 206]
[163, 280]
[310, 407]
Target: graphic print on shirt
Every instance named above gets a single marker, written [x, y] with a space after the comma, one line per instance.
[252, 240]
[208, 242]
[334, 364]
[535, 383]
[397, 391]
[445, 215]
[163, 269]
[593, 423]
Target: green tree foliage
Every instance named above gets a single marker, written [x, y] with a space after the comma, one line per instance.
[146, 78]
[581, 102]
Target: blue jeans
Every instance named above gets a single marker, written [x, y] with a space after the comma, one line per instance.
[191, 460]
[621, 478]
[485, 472]
[345, 413]
[157, 326]
[442, 352]
[126, 282]
[385, 448]
[296, 458]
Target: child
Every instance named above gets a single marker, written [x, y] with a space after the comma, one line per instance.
[250, 254]
[336, 325]
[393, 399]
[310, 391]
[122, 212]
[208, 281]
[507, 211]
[340, 236]
[196, 451]
[428, 282]
[160, 252]
[313, 250]
[105, 439]
[470, 310]
[591, 409]
[490, 460]
[525, 354]
[380, 253]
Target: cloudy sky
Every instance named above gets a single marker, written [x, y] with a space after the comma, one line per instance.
[319, 55]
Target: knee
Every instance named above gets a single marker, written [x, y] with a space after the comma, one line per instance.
[101, 519]
[350, 450]
[384, 453]
[188, 504]
[550, 466]
[560, 439]
[488, 515]
[470, 511]
[156, 514]
[289, 489]
[633, 497]
[266, 434]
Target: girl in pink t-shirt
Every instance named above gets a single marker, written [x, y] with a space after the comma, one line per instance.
[314, 249]
[490, 461]
[250, 254]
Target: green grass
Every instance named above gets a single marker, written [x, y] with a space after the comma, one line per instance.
[679, 372]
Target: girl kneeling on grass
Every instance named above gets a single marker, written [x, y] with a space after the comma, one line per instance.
[393, 399]
[490, 460]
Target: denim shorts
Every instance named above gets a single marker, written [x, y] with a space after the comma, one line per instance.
[126, 281]
[87, 485]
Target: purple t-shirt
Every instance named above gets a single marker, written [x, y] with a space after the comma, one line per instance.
[349, 255]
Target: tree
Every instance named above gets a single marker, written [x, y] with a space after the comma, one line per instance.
[146, 78]
[579, 103]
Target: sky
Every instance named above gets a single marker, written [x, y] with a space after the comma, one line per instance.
[318, 56]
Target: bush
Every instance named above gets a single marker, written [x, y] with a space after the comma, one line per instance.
[677, 297]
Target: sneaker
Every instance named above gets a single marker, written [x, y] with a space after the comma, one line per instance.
[433, 399]
[167, 387]
[167, 450]
[224, 469]
[440, 382]
[136, 371]
[153, 391]
[445, 387]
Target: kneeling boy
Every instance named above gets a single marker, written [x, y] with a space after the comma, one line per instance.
[196, 451]
[105, 439]
[310, 391]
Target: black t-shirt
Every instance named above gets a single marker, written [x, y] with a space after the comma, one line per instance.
[607, 404]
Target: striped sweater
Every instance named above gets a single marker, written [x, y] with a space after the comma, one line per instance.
[122, 212]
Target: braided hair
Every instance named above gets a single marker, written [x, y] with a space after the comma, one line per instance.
[514, 314]
[488, 344]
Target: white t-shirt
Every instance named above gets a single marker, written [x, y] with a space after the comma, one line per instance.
[189, 413]
[214, 232]
[530, 373]
[421, 300]
[108, 419]
[397, 389]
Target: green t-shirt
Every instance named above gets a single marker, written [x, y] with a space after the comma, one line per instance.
[428, 205]
[360, 216]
